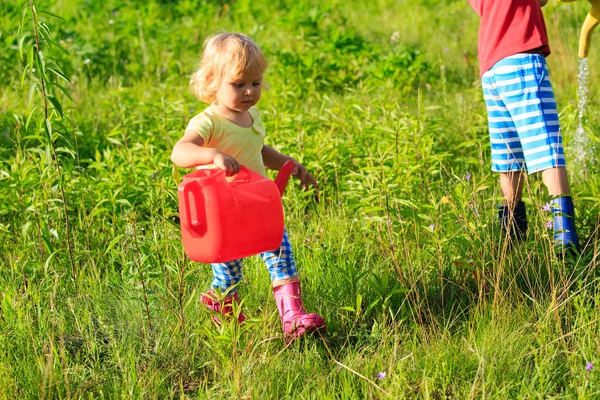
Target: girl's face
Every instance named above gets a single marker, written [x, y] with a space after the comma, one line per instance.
[240, 93]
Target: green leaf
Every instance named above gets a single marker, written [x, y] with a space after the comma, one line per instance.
[113, 243]
[40, 62]
[58, 73]
[25, 228]
[32, 90]
[30, 116]
[56, 105]
[62, 89]
[21, 45]
[43, 28]
[48, 128]
[45, 12]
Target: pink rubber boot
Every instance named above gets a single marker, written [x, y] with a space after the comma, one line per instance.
[296, 322]
[223, 307]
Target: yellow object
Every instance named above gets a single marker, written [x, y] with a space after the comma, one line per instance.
[591, 21]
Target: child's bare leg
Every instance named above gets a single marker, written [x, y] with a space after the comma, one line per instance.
[279, 282]
[511, 184]
[557, 181]
[513, 215]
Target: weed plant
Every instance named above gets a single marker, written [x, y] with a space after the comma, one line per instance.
[401, 254]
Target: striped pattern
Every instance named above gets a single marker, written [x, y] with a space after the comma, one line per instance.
[522, 115]
[280, 263]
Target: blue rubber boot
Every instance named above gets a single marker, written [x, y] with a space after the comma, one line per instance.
[565, 235]
[515, 224]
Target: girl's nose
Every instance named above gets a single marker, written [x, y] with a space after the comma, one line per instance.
[248, 92]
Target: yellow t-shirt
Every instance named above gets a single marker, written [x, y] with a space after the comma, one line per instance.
[243, 144]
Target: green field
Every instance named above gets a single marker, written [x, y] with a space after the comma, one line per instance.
[401, 254]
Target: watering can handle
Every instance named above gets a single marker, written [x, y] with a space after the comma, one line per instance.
[283, 176]
[243, 175]
[194, 188]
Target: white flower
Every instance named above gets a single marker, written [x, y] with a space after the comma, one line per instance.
[395, 36]
[87, 61]
[111, 22]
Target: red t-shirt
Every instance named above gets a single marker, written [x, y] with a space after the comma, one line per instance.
[509, 27]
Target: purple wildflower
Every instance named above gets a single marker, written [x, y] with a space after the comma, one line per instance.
[446, 49]
[549, 224]
[432, 227]
[546, 207]
[191, 110]
[381, 375]
[468, 176]
[589, 366]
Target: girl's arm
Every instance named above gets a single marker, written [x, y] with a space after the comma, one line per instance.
[275, 160]
[189, 152]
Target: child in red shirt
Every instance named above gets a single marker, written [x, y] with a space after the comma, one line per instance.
[522, 114]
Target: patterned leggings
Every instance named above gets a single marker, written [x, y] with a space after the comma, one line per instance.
[280, 263]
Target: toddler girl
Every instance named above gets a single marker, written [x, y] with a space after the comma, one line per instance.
[230, 133]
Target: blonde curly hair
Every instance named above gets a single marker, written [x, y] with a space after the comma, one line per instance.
[225, 54]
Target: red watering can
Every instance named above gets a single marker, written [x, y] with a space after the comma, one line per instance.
[223, 220]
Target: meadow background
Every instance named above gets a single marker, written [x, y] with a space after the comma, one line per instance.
[402, 256]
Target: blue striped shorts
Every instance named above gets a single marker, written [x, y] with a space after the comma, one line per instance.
[522, 115]
[280, 263]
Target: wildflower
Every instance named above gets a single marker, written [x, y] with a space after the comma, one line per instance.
[191, 110]
[589, 366]
[432, 227]
[163, 70]
[446, 49]
[111, 22]
[546, 207]
[87, 61]
[549, 224]
[468, 176]
[381, 375]
[395, 36]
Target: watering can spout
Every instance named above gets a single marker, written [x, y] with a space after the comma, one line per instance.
[283, 176]
[591, 21]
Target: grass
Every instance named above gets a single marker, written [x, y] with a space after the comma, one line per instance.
[401, 255]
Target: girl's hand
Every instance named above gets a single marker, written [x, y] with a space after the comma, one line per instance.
[226, 163]
[301, 173]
